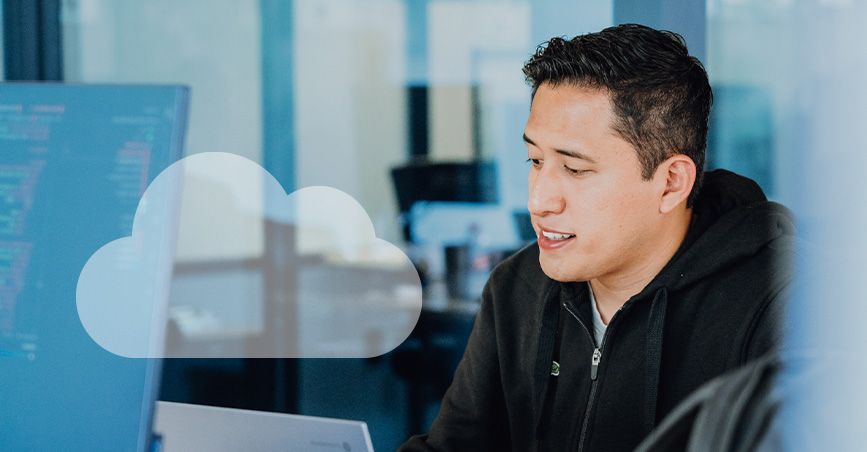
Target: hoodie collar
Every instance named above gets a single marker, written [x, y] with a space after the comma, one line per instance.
[732, 219]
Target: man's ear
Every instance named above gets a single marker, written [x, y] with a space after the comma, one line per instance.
[679, 172]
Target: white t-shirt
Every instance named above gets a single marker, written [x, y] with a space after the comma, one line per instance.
[598, 325]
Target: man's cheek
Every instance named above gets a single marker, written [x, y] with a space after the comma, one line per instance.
[589, 235]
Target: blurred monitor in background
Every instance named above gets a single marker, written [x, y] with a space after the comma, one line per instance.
[472, 182]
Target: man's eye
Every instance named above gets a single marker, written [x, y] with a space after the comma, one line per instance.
[536, 162]
[575, 172]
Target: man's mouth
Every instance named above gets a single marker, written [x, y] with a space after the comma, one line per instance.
[557, 236]
[551, 240]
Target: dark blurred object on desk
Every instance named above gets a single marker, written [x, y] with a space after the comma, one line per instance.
[468, 269]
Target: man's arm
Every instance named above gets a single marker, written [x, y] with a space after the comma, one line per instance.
[766, 334]
[473, 411]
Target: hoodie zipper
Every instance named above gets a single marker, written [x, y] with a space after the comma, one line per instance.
[595, 360]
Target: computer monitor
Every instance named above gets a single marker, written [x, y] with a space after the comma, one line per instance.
[74, 162]
[445, 181]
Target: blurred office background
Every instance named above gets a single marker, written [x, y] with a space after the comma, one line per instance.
[413, 107]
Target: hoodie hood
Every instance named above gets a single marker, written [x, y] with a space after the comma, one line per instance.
[732, 220]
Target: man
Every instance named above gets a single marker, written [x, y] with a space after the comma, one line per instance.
[647, 279]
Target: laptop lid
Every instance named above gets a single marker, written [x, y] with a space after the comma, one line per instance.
[185, 427]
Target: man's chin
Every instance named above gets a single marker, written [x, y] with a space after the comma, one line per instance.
[560, 271]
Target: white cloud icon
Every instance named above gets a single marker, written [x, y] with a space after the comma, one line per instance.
[223, 263]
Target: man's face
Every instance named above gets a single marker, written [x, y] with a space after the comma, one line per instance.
[585, 182]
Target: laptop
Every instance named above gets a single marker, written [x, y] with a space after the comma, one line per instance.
[182, 427]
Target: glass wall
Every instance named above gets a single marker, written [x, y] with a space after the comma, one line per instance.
[789, 82]
[415, 108]
[750, 56]
[396, 103]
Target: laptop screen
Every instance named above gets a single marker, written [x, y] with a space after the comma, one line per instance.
[74, 162]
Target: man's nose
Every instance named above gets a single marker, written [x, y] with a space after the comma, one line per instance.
[545, 196]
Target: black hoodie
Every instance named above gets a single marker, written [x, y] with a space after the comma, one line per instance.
[717, 304]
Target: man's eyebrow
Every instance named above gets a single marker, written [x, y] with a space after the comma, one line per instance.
[567, 153]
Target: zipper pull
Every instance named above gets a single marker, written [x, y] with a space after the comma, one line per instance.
[594, 363]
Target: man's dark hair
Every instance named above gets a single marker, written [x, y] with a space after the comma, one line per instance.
[660, 95]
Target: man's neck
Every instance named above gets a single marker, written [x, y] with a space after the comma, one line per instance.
[612, 291]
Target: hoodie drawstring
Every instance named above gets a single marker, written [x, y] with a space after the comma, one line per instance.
[655, 327]
[549, 348]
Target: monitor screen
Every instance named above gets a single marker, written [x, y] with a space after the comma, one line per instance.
[74, 162]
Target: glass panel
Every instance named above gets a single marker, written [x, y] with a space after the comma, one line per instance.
[749, 47]
[789, 80]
